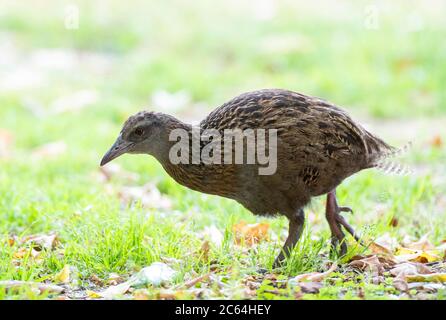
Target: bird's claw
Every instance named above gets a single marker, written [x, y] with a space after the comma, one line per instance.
[345, 209]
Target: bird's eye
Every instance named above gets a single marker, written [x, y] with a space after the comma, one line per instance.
[139, 132]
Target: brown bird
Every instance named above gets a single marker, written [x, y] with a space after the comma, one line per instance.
[318, 146]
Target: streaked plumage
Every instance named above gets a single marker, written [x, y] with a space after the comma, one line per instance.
[319, 145]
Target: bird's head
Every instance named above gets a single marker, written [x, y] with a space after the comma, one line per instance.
[143, 132]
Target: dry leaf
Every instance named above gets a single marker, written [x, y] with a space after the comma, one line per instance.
[405, 254]
[394, 222]
[400, 284]
[250, 234]
[42, 287]
[433, 277]
[156, 274]
[422, 244]
[384, 245]
[92, 294]
[96, 280]
[437, 141]
[114, 279]
[25, 252]
[409, 268]
[63, 276]
[203, 253]
[193, 282]
[370, 263]
[213, 234]
[40, 242]
[313, 276]
[310, 287]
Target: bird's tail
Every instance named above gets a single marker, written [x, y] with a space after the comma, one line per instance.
[382, 162]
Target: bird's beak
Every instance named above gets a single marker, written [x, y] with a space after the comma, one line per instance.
[118, 148]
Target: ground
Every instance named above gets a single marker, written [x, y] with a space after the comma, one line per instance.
[65, 92]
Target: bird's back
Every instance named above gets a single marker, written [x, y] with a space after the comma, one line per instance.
[318, 144]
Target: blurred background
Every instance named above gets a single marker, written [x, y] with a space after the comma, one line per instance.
[72, 71]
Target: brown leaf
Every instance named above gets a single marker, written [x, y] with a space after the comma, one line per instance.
[422, 244]
[25, 252]
[401, 284]
[193, 282]
[41, 241]
[250, 234]
[409, 268]
[394, 222]
[203, 253]
[437, 141]
[310, 287]
[370, 263]
[314, 276]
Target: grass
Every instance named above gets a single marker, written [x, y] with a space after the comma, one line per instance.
[125, 55]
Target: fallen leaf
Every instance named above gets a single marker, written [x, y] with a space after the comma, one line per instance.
[112, 291]
[310, 287]
[40, 242]
[213, 234]
[422, 244]
[203, 253]
[370, 263]
[433, 277]
[42, 287]
[404, 254]
[96, 280]
[156, 274]
[409, 268]
[250, 234]
[384, 244]
[313, 276]
[193, 282]
[25, 252]
[437, 141]
[93, 294]
[394, 222]
[63, 276]
[114, 279]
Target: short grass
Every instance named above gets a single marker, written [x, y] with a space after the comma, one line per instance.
[213, 52]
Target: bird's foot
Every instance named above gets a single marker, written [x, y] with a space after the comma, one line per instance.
[336, 221]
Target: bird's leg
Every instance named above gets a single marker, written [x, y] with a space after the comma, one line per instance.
[335, 221]
[296, 223]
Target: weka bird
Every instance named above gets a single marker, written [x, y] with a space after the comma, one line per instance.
[318, 146]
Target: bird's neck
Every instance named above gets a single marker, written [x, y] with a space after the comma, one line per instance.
[188, 172]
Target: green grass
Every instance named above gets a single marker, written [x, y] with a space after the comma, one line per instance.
[213, 52]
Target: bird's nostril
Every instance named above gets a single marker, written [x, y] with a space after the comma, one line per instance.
[116, 148]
